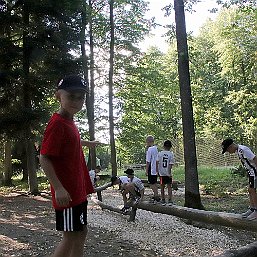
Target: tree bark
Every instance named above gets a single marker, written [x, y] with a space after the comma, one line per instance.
[192, 194]
[7, 178]
[31, 166]
[90, 97]
[30, 150]
[246, 251]
[111, 118]
[91, 103]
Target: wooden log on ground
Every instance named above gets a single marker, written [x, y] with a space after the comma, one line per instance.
[246, 251]
[216, 218]
[108, 207]
[101, 188]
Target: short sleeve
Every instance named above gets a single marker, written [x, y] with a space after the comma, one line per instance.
[172, 161]
[248, 154]
[52, 141]
[148, 155]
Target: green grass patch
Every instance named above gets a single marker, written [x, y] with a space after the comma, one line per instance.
[221, 189]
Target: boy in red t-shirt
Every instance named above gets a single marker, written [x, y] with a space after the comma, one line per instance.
[63, 161]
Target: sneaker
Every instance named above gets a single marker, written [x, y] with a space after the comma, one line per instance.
[163, 201]
[125, 209]
[247, 213]
[252, 216]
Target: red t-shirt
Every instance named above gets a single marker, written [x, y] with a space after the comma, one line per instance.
[62, 145]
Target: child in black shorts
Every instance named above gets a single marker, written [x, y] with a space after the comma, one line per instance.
[164, 163]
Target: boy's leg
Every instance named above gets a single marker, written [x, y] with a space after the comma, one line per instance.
[72, 221]
[152, 180]
[78, 241]
[162, 184]
[72, 244]
[169, 186]
[253, 197]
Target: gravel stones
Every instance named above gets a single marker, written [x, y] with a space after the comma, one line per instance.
[161, 233]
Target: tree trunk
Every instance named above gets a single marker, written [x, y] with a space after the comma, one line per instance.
[246, 251]
[192, 195]
[91, 104]
[31, 166]
[30, 149]
[90, 98]
[7, 178]
[111, 119]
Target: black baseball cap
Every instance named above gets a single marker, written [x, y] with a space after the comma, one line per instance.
[72, 82]
[129, 171]
[226, 143]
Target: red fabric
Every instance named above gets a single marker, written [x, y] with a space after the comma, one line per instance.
[62, 145]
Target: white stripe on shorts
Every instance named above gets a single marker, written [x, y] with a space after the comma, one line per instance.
[68, 219]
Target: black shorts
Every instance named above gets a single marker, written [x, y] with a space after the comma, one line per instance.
[72, 219]
[165, 180]
[152, 179]
[252, 181]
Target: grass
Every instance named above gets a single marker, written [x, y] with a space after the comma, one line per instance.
[221, 189]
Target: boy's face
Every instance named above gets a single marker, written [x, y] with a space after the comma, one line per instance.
[231, 149]
[71, 101]
[149, 143]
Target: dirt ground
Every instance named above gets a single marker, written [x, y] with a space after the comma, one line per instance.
[27, 228]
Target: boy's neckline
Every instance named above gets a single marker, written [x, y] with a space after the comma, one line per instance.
[65, 115]
[67, 118]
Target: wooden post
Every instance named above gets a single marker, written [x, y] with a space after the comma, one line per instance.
[99, 196]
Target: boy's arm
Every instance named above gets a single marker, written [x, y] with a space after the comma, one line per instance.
[255, 160]
[142, 192]
[157, 168]
[62, 197]
[170, 168]
[147, 168]
[90, 143]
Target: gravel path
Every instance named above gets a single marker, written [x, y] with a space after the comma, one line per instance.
[27, 228]
[166, 234]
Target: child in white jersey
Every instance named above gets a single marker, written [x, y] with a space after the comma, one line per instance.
[135, 187]
[164, 163]
[151, 157]
[249, 161]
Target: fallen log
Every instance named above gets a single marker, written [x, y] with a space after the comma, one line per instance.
[246, 251]
[103, 187]
[109, 207]
[217, 218]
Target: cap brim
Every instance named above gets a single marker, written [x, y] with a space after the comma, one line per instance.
[76, 89]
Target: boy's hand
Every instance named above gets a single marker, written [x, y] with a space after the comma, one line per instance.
[62, 197]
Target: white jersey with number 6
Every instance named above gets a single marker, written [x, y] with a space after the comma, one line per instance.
[165, 159]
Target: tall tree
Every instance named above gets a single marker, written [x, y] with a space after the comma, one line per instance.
[111, 68]
[91, 102]
[192, 194]
[30, 150]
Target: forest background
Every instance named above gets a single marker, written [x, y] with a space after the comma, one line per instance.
[41, 41]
